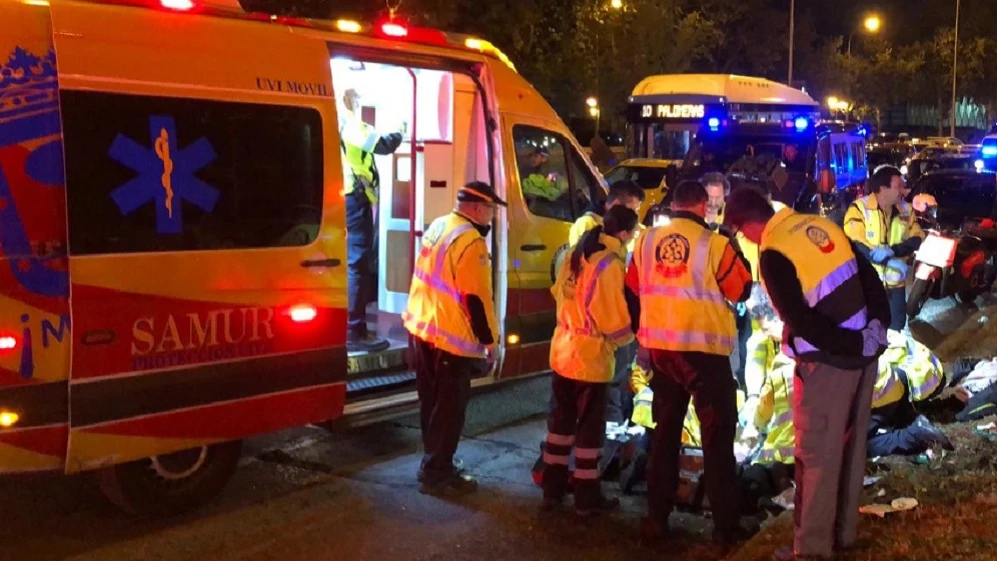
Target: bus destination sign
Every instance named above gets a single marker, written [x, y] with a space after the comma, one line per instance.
[673, 111]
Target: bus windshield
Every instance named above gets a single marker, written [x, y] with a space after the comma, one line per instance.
[725, 153]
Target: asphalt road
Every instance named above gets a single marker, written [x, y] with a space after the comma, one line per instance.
[306, 494]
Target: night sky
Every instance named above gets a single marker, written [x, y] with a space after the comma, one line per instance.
[904, 21]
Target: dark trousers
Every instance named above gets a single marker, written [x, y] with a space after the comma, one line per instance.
[709, 379]
[620, 403]
[577, 421]
[900, 437]
[743, 323]
[443, 381]
[360, 260]
[898, 308]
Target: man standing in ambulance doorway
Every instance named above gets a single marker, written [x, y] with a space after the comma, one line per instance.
[360, 142]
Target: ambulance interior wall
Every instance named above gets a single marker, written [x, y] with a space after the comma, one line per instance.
[450, 151]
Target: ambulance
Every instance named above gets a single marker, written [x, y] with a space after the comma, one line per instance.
[172, 227]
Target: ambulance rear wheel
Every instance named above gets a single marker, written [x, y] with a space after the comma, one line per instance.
[172, 483]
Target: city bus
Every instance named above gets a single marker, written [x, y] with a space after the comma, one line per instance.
[665, 112]
[172, 227]
[752, 130]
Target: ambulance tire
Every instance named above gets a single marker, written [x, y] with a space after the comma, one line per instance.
[168, 485]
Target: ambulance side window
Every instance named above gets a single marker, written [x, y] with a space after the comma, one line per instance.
[154, 174]
[541, 161]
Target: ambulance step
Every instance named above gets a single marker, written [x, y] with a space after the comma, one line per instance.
[378, 384]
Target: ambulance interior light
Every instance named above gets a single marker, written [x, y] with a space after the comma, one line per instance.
[7, 343]
[178, 5]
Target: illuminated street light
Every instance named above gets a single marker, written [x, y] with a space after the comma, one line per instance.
[616, 4]
[594, 111]
[592, 102]
[871, 24]
[832, 102]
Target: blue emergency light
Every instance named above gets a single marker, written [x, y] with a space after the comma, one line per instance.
[989, 151]
[713, 123]
[801, 124]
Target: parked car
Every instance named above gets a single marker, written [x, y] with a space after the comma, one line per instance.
[650, 174]
[960, 193]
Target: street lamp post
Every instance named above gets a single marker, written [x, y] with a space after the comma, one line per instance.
[870, 24]
[955, 63]
[792, 30]
[614, 5]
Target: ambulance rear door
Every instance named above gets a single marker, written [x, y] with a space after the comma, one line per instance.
[206, 230]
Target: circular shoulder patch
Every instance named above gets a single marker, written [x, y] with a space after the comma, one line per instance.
[819, 238]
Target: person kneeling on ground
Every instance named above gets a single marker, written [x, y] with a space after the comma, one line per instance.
[771, 469]
[895, 427]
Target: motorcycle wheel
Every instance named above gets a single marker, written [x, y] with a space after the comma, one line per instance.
[919, 292]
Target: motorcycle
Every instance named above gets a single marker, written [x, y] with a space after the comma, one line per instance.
[959, 262]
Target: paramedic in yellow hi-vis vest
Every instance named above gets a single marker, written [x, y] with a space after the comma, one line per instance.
[835, 311]
[360, 184]
[627, 194]
[885, 229]
[592, 323]
[451, 316]
[685, 274]
[771, 469]
[895, 428]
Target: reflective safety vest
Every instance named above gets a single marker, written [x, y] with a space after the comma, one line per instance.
[877, 234]
[584, 223]
[590, 220]
[925, 373]
[824, 261]
[539, 186]
[749, 249]
[889, 388]
[452, 263]
[358, 142]
[640, 377]
[592, 316]
[682, 306]
[774, 416]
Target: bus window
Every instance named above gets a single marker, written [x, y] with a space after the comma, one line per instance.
[824, 153]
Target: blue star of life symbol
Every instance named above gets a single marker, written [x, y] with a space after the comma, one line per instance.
[166, 174]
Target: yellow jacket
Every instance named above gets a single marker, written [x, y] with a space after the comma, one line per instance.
[889, 388]
[925, 372]
[749, 249]
[685, 273]
[824, 260]
[592, 316]
[359, 140]
[452, 264]
[539, 186]
[590, 220]
[774, 415]
[865, 223]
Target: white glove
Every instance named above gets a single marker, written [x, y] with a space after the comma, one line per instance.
[873, 338]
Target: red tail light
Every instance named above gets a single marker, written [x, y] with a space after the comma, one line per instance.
[393, 29]
[178, 5]
[7, 343]
[303, 313]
